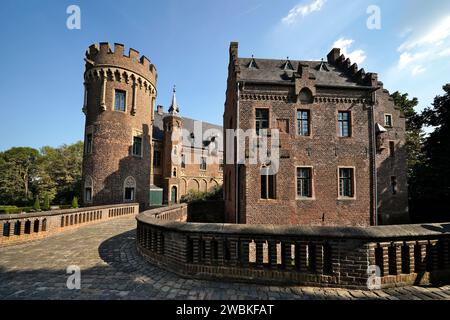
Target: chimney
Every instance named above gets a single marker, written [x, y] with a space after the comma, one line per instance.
[160, 109]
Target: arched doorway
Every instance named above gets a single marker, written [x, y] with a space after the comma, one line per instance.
[173, 195]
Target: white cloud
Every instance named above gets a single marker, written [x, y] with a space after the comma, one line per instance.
[356, 56]
[407, 58]
[435, 36]
[445, 53]
[302, 10]
[418, 70]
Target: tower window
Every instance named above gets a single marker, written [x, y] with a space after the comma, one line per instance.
[388, 120]
[183, 161]
[137, 146]
[221, 165]
[303, 123]
[346, 182]
[344, 124]
[157, 158]
[89, 143]
[394, 185]
[304, 182]
[203, 163]
[119, 102]
[262, 120]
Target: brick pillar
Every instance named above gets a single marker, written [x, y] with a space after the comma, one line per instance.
[234, 251]
[220, 251]
[259, 253]
[154, 242]
[22, 227]
[207, 248]
[420, 258]
[445, 252]
[300, 256]
[286, 255]
[196, 254]
[244, 256]
[398, 257]
[411, 256]
[272, 248]
[319, 258]
[385, 267]
[434, 255]
[160, 242]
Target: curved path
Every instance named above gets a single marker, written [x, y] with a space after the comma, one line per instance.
[112, 269]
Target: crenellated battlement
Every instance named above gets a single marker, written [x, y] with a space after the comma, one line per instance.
[338, 60]
[101, 55]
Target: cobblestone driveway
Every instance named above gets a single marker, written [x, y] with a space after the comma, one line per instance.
[112, 269]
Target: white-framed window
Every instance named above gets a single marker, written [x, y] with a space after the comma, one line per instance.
[388, 122]
[304, 182]
[344, 124]
[120, 100]
[346, 182]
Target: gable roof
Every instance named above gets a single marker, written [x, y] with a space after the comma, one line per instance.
[273, 70]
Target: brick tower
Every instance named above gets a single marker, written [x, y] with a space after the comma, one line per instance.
[120, 92]
[173, 125]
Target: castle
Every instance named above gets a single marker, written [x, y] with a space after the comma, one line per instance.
[131, 153]
[341, 147]
[342, 158]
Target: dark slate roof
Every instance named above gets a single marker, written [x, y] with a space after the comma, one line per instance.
[188, 124]
[270, 70]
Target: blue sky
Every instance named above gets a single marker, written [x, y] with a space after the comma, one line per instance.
[41, 87]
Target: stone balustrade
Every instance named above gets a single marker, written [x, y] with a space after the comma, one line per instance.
[326, 256]
[23, 227]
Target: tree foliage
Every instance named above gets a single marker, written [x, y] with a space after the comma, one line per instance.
[432, 186]
[26, 173]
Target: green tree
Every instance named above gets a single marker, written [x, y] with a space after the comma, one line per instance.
[75, 202]
[37, 205]
[433, 179]
[17, 173]
[414, 131]
[60, 172]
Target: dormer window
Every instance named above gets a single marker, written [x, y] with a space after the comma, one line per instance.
[252, 64]
[287, 65]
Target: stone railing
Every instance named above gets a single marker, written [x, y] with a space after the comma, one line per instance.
[23, 227]
[325, 256]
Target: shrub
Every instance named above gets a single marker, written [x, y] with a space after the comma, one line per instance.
[46, 202]
[75, 202]
[37, 205]
[198, 196]
[14, 209]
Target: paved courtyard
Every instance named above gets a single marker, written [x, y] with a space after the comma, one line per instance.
[112, 269]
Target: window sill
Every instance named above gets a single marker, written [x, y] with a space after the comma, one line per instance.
[346, 198]
[305, 199]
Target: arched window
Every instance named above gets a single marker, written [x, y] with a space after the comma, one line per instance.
[6, 227]
[44, 225]
[27, 227]
[36, 226]
[129, 189]
[88, 188]
[305, 96]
